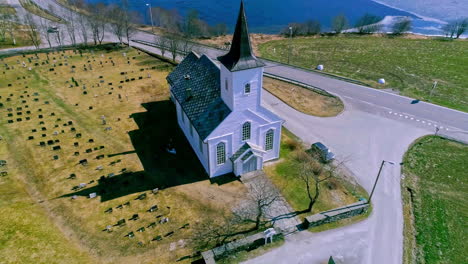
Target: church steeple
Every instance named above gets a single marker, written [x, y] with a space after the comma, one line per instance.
[240, 55]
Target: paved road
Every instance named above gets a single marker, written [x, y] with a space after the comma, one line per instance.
[376, 125]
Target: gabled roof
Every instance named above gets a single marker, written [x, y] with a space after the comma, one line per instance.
[243, 149]
[195, 85]
[240, 56]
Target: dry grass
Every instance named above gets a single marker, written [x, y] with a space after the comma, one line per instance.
[304, 100]
[135, 143]
[255, 39]
[33, 8]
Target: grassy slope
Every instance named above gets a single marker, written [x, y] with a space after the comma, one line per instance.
[409, 65]
[302, 99]
[436, 170]
[26, 233]
[137, 138]
[335, 192]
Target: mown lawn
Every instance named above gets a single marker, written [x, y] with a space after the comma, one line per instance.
[408, 65]
[436, 172]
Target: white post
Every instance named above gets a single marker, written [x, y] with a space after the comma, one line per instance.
[151, 17]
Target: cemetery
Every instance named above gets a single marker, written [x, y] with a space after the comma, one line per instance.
[88, 131]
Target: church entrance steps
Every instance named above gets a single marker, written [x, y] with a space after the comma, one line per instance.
[250, 175]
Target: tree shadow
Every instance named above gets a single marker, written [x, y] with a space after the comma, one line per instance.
[157, 127]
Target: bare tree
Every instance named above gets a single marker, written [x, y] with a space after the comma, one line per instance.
[401, 26]
[255, 209]
[83, 26]
[368, 24]
[97, 22]
[313, 174]
[312, 27]
[32, 31]
[450, 29]
[117, 26]
[174, 43]
[128, 19]
[162, 43]
[46, 29]
[462, 26]
[11, 27]
[339, 23]
[71, 26]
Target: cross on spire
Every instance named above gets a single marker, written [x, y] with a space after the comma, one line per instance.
[240, 56]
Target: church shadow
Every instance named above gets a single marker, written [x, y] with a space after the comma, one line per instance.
[157, 127]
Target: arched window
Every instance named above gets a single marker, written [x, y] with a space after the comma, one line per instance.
[246, 131]
[220, 153]
[269, 136]
[247, 88]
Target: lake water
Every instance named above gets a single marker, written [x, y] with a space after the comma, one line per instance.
[270, 16]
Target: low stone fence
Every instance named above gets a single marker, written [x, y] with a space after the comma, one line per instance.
[336, 214]
[250, 242]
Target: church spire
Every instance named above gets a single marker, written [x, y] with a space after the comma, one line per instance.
[240, 55]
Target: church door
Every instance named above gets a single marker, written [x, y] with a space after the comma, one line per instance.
[250, 165]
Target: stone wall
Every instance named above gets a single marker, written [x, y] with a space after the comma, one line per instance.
[336, 214]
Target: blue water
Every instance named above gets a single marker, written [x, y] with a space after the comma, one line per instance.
[270, 16]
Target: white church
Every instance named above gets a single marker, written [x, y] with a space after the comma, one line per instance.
[219, 108]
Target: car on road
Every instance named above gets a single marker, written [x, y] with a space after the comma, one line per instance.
[322, 151]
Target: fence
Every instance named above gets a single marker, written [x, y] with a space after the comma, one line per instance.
[336, 214]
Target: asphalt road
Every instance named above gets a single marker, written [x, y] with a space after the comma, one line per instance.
[375, 126]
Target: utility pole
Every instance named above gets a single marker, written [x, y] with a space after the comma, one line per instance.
[433, 88]
[377, 179]
[151, 17]
[290, 39]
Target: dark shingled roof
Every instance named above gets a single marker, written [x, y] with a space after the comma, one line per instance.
[240, 55]
[240, 151]
[196, 86]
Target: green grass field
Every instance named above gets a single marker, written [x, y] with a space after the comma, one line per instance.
[335, 192]
[408, 65]
[435, 189]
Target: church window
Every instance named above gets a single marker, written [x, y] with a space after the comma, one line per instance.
[269, 139]
[226, 84]
[247, 88]
[220, 153]
[246, 131]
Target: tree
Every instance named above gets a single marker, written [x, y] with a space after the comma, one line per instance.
[174, 45]
[339, 23]
[127, 20]
[162, 43]
[313, 174]
[255, 209]
[31, 31]
[97, 24]
[401, 26]
[462, 25]
[368, 24]
[312, 27]
[83, 26]
[450, 29]
[46, 29]
[70, 24]
[116, 13]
